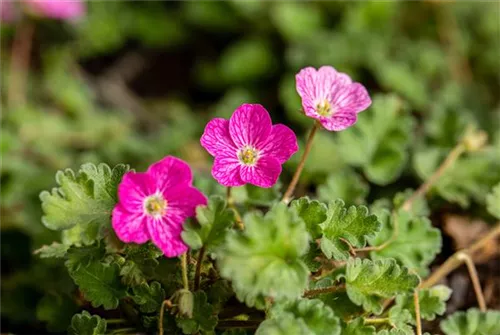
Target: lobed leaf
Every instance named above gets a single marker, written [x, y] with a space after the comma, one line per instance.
[202, 319]
[346, 185]
[472, 322]
[86, 324]
[149, 297]
[432, 302]
[312, 212]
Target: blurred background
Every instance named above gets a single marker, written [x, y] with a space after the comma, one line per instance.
[130, 82]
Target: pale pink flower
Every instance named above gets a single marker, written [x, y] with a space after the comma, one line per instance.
[56, 9]
[154, 205]
[8, 11]
[331, 97]
[248, 148]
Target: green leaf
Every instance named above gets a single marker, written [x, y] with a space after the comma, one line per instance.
[346, 185]
[493, 201]
[83, 256]
[416, 244]
[265, 259]
[55, 250]
[82, 198]
[286, 324]
[380, 139]
[149, 297]
[100, 283]
[369, 282]
[202, 319]
[317, 317]
[353, 225]
[214, 220]
[219, 293]
[312, 212]
[472, 322]
[357, 327]
[140, 264]
[432, 302]
[56, 310]
[296, 21]
[400, 319]
[251, 195]
[86, 324]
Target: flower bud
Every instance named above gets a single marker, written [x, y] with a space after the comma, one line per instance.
[474, 139]
[184, 300]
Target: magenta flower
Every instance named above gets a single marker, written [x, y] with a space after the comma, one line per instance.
[56, 9]
[154, 205]
[248, 148]
[331, 97]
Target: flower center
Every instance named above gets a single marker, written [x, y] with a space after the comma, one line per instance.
[248, 155]
[324, 108]
[155, 205]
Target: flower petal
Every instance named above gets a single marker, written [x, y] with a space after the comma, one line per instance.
[216, 139]
[264, 174]
[339, 121]
[250, 124]
[132, 190]
[281, 144]
[182, 201]
[166, 235]
[169, 172]
[352, 99]
[226, 171]
[129, 227]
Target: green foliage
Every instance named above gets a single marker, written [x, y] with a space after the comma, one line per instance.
[202, 319]
[379, 141]
[357, 327]
[214, 221]
[345, 185]
[312, 212]
[54, 250]
[86, 324]
[313, 316]
[432, 302]
[149, 297]
[368, 282]
[286, 324]
[493, 201]
[353, 225]
[265, 259]
[83, 198]
[416, 244]
[472, 322]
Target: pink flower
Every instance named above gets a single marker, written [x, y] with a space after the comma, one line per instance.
[56, 9]
[331, 97]
[248, 148]
[154, 205]
[8, 12]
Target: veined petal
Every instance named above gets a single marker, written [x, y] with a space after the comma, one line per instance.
[169, 172]
[129, 227]
[226, 171]
[216, 139]
[132, 190]
[250, 125]
[281, 143]
[182, 201]
[352, 99]
[165, 233]
[339, 121]
[264, 174]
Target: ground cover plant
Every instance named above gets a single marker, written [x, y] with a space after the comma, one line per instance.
[287, 187]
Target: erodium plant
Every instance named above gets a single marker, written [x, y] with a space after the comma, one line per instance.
[150, 253]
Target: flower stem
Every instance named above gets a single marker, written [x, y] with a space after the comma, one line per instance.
[454, 154]
[115, 321]
[457, 258]
[165, 303]
[291, 188]
[329, 289]
[376, 321]
[197, 275]
[416, 302]
[184, 266]
[230, 204]
[475, 280]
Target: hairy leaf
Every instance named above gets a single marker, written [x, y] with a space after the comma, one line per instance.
[346, 185]
[265, 259]
[149, 297]
[312, 212]
[358, 327]
[55, 250]
[86, 324]
[202, 316]
[285, 325]
[432, 301]
[214, 221]
[353, 225]
[368, 282]
[82, 198]
[472, 322]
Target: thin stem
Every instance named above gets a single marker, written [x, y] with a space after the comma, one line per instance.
[20, 63]
[123, 330]
[376, 321]
[475, 280]
[458, 150]
[165, 303]
[291, 188]
[456, 260]
[184, 271]
[230, 204]
[329, 289]
[416, 302]
[115, 321]
[197, 275]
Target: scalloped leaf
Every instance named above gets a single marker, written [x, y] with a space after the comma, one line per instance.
[54, 250]
[416, 244]
[316, 316]
[202, 318]
[432, 302]
[86, 324]
[285, 325]
[149, 297]
[493, 201]
[358, 327]
[353, 225]
[346, 185]
[472, 322]
[312, 212]
[265, 259]
[82, 198]
[214, 221]
[379, 142]
[369, 282]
